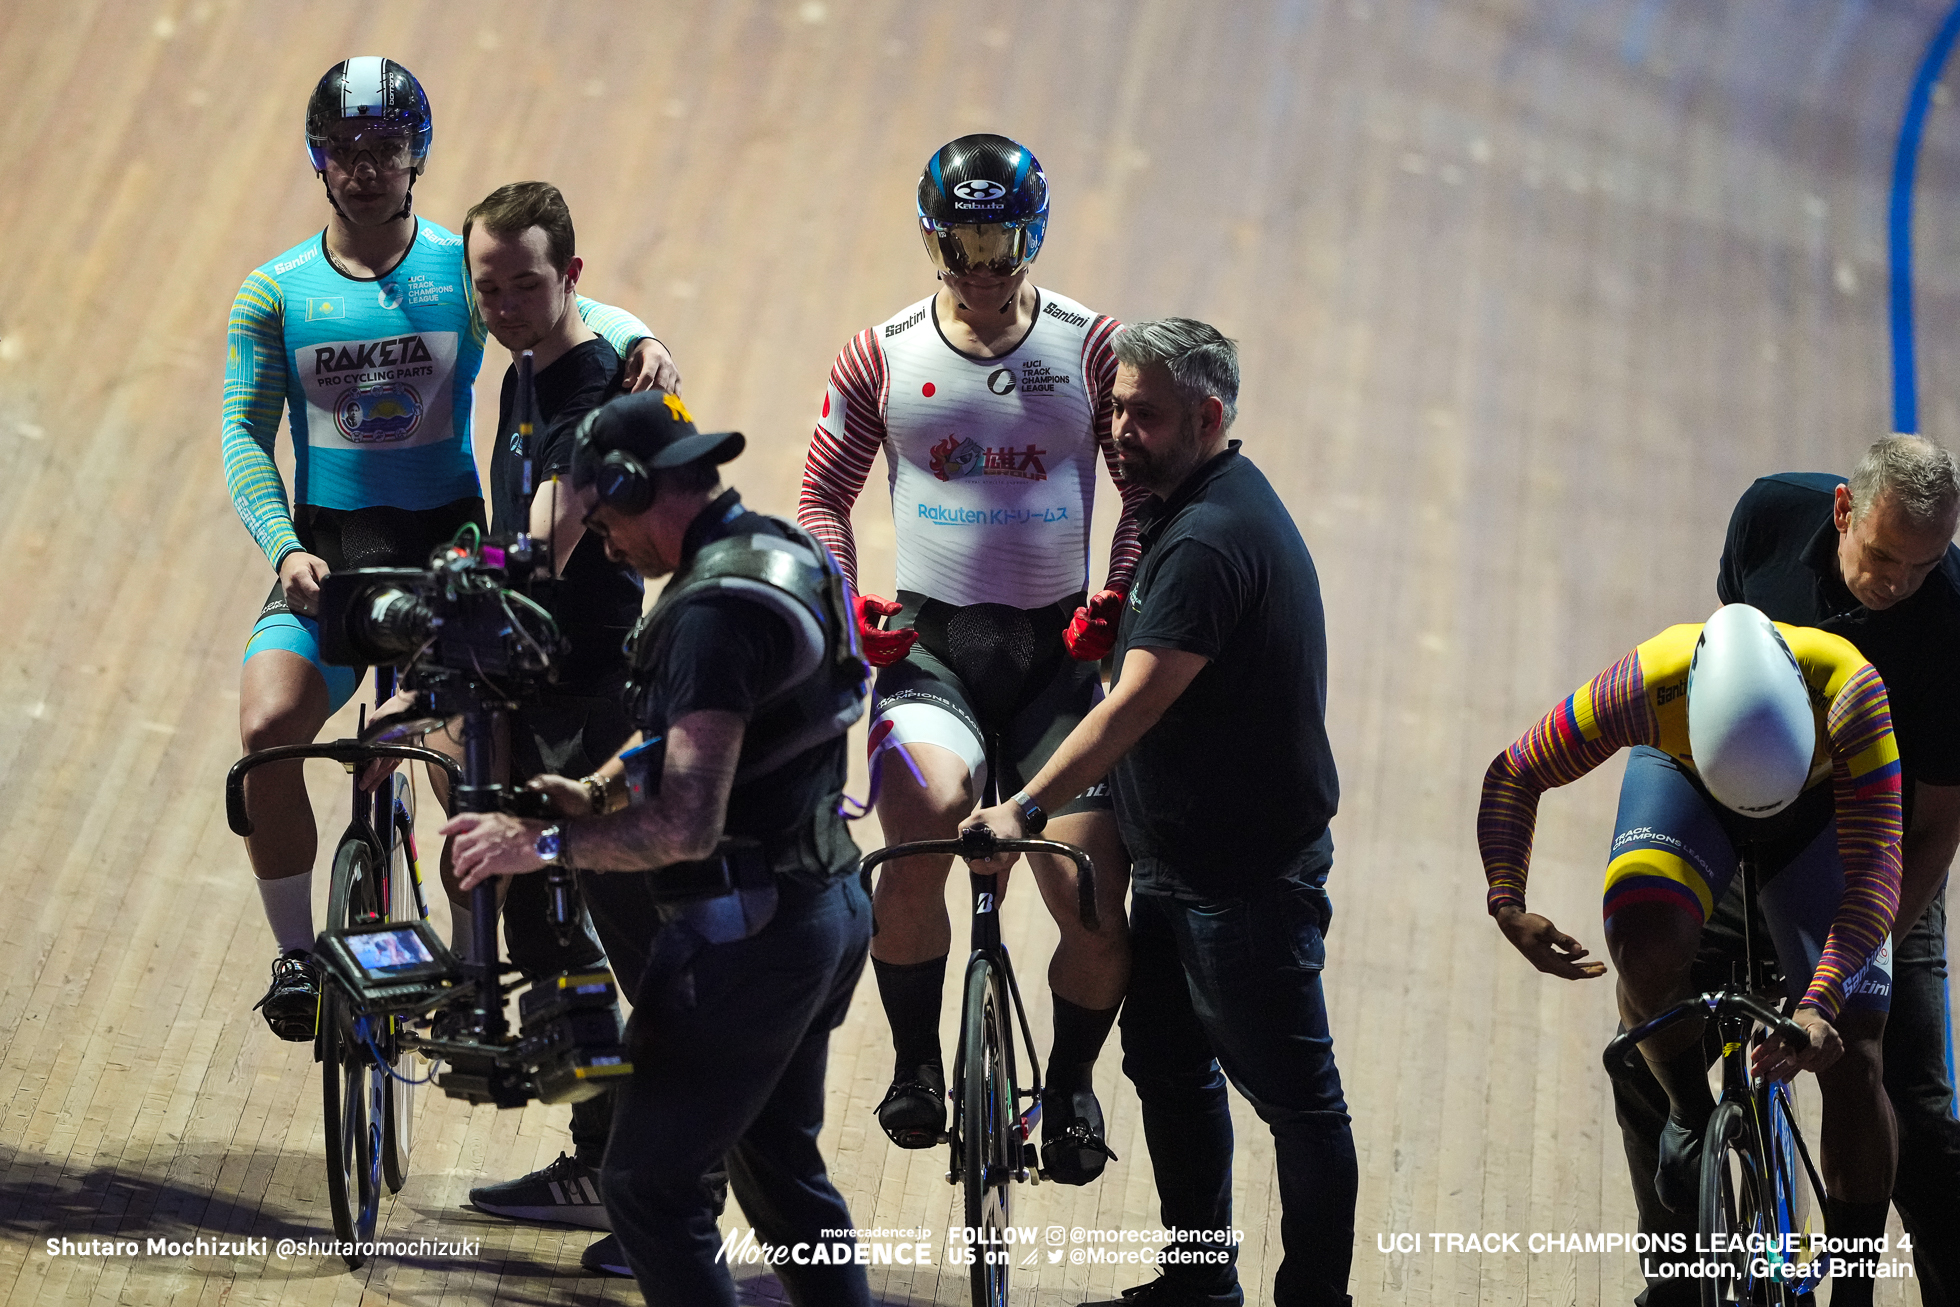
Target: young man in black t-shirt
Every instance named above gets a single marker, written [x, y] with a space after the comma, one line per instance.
[1871, 560]
[1219, 703]
[520, 248]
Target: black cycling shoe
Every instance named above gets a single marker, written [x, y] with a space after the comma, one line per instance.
[292, 1003]
[913, 1114]
[1677, 1180]
[1072, 1147]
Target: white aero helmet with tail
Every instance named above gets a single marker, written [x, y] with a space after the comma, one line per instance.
[1750, 723]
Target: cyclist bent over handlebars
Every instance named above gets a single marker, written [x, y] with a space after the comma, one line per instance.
[1743, 731]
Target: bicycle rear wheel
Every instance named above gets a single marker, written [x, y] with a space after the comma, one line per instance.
[1730, 1207]
[988, 1134]
[405, 903]
[353, 1087]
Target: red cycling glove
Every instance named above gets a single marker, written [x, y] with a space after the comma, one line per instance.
[881, 648]
[1092, 634]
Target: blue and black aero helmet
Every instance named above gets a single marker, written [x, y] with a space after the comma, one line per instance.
[368, 105]
[983, 202]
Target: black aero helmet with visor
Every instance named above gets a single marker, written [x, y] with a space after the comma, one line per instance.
[368, 105]
[983, 203]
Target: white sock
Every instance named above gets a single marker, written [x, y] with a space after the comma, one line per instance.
[462, 931]
[289, 909]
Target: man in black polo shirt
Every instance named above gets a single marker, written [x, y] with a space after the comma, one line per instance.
[1218, 704]
[1871, 560]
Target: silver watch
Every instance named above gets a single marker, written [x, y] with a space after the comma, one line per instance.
[550, 845]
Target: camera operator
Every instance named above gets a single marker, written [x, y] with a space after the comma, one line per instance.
[745, 678]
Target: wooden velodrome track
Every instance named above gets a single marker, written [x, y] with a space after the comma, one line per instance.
[1528, 290]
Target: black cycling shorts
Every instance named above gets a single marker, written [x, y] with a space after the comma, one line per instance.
[987, 674]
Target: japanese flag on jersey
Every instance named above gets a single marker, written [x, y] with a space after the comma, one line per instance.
[831, 419]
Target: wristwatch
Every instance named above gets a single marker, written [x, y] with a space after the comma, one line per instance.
[1032, 815]
[551, 842]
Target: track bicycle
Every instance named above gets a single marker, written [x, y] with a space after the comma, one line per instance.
[369, 1107]
[991, 1141]
[1761, 1202]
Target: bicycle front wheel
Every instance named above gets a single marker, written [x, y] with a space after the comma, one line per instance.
[1730, 1205]
[353, 1088]
[1796, 1207]
[405, 903]
[988, 1114]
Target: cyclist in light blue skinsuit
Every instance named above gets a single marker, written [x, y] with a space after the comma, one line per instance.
[367, 335]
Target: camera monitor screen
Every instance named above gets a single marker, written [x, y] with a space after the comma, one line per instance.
[396, 951]
[389, 951]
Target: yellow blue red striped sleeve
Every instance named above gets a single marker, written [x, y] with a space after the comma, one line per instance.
[1603, 716]
[1866, 780]
[620, 328]
[255, 391]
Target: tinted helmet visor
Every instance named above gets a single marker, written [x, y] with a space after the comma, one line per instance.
[387, 144]
[1003, 248]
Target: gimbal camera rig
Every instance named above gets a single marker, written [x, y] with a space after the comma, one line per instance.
[473, 644]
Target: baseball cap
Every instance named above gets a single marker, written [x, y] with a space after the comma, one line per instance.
[655, 428]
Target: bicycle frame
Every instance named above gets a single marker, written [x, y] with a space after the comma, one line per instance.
[372, 824]
[988, 951]
[976, 843]
[1761, 1110]
[988, 966]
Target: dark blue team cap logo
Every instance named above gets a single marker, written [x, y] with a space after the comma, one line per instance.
[380, 415]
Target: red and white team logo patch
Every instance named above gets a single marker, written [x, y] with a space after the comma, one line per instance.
[955, 459]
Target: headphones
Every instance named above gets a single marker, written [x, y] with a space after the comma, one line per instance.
[623, 482]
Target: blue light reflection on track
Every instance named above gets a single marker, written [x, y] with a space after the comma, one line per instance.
[1905, 386]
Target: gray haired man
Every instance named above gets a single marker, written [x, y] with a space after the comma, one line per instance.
[1870, 559]
[1219, 701]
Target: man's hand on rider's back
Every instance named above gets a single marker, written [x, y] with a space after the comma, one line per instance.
[1547, 947]
[650, 366]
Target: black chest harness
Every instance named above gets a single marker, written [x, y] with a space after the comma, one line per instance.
[733, 894]
[821, 693]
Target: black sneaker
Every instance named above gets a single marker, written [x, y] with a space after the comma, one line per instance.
[605, 1258]
[913, 1114]
[567, 1192]
[1165, 1292]
[1677, 1180]
[1072, 1147]
[292, 1003]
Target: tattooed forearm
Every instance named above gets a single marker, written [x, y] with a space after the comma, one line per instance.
[684, 822]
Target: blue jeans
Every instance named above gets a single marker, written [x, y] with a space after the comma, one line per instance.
[728, 1059]
[1234, 983]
